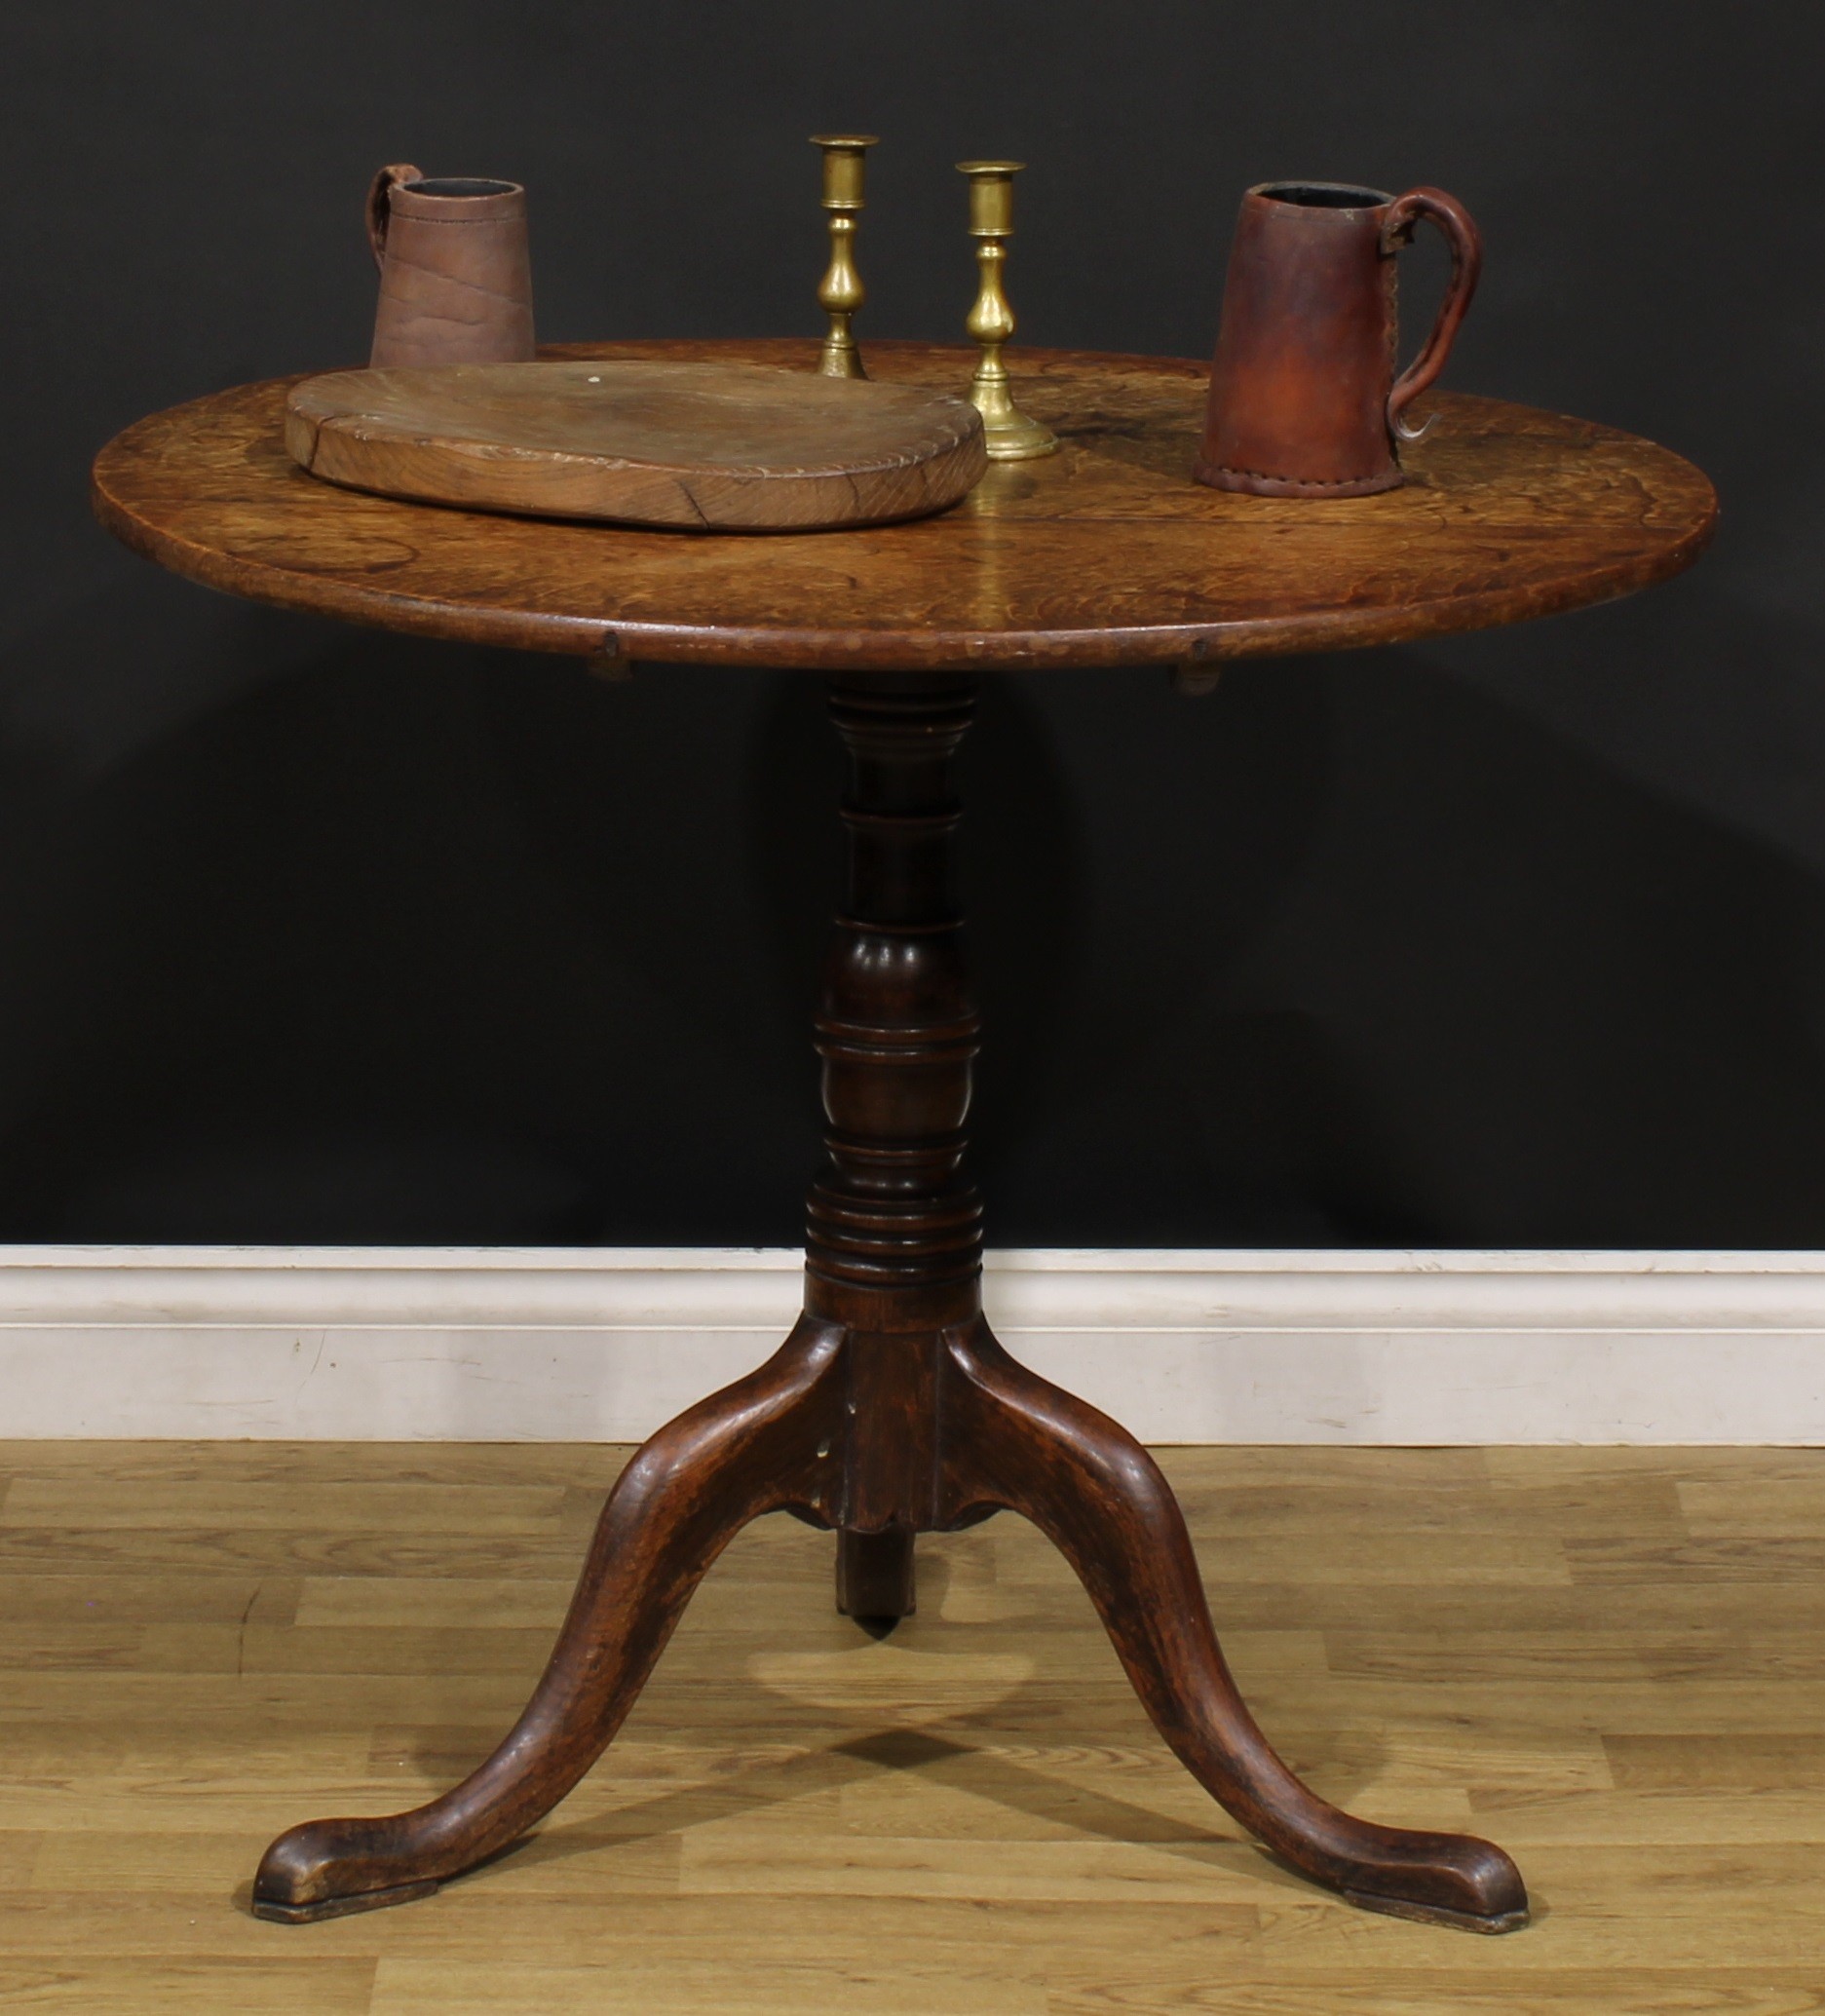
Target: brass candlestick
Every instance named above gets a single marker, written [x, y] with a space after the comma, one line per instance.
[1012, 435]
[845, 171]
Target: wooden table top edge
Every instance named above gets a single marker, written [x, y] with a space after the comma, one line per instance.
[824, 649]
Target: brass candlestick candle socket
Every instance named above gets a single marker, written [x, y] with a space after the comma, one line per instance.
[1012, 435]
[844, 173]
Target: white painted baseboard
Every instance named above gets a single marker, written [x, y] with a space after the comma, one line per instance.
[588, 1345]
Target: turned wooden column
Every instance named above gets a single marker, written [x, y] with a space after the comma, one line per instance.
[894, 1226]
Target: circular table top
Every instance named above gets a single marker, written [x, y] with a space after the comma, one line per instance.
[1106, 553]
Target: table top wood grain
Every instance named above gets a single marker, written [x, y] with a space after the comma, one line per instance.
[1105, 554]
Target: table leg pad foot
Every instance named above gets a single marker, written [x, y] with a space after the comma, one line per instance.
[277, 1912]
[1438, 1914]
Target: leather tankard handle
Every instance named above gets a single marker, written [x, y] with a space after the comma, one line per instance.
[380, 204]
[1466, 262]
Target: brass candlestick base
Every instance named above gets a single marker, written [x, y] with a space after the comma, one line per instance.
[1011, 434]
[845, 171]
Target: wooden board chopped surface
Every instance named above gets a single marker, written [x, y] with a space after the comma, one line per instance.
[693, 447]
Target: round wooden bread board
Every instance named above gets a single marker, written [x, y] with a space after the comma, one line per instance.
[697, 447]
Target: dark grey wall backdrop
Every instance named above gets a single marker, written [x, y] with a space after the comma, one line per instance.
[315, 935]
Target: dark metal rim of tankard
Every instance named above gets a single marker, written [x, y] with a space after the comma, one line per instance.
[1323, 196]
[460, 188]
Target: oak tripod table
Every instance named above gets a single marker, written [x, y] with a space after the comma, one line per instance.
[891, 1410]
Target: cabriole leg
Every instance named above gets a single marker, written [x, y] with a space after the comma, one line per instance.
[757, 1446]
[1016, 1440]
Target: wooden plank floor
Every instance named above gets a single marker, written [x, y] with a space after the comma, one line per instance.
[1613, 1661]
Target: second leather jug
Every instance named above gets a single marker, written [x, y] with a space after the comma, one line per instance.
[1304, 400]
[455, 270]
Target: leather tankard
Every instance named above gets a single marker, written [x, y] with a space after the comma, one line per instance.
[455, 270]
[1304, 400]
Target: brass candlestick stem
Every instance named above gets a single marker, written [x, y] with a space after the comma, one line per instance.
[845, 174]
[1012, 435]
